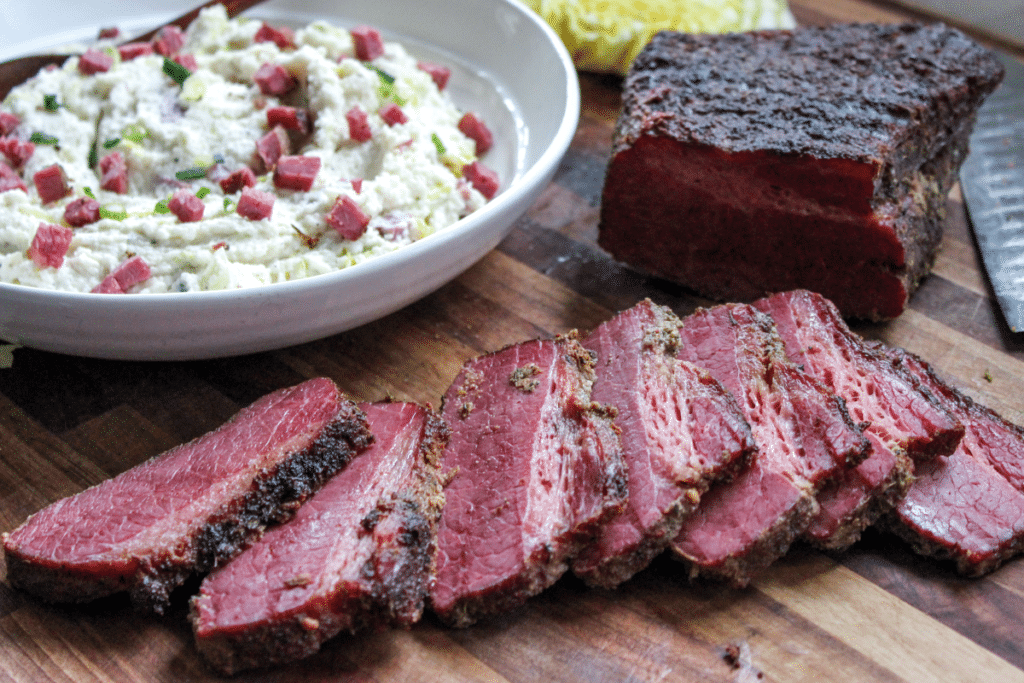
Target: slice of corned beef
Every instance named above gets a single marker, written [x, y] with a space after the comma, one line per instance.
[535, 468]
[903, 423]
[681, 430]
[191, 508]
[968, 506]
[804, 435]
[359, 553]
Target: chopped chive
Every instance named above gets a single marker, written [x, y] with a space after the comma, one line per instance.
[94, 156]
[161, 207]
[193, 173]
[88, 192]
[112, 142]
[135, 132]
[202, 192]
[50, 103]
[177, 72]
[228, 204]
[384, 75]
[118, 213]
[43, 139]
[438, 144]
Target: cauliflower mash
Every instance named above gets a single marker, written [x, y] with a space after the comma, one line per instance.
[246, 155]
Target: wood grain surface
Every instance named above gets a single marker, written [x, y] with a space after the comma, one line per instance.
[874, 613]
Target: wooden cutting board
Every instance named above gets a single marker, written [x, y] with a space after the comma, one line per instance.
[874, 613]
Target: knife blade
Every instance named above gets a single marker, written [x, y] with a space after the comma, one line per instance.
[992, 182]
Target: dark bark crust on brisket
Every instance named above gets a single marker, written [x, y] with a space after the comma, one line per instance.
[274, 495]
[819, 158]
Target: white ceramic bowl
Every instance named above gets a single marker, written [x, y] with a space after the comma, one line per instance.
[506, 64]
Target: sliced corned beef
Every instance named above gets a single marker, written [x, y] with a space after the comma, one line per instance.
[8, 122]
[289, 118]
[191, 508]
[358, 124]
[804, 435]
[273, 146]
[903, 423]
[359, 553]
[392, 114]
[969, 506]
[535, 467]
[681, 430]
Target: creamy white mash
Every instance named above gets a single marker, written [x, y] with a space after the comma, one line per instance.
[407, 175]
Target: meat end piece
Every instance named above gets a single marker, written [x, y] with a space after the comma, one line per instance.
[904, 422]
[367, 42]
[819, 158]
[680, 431]
[191, 508]
[51, 183]
[804, 434]
[473, 127]
[359, 553]
[94, 61]
[50, 245]
[129, 273]
[535, 468]
[255, 204]
[186, 206]
[967, 507]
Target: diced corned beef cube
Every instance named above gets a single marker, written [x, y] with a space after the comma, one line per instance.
[94, 61]
[255, 204]
[242, 178]
[49, 245]
[296, 172]
[17, 151]
[282, 36]
[482, 178]
[274, 79]
[290, 118]
[474, 128]
[347, 218]
[8, 122]
[130, 51]
[186, 206]
[109, 32]
[186, 60]
[114, 173]
[10, 180]
[357, 185]
[439, 73]
[130, 273]
[51, 183]
[392, 114]
[368, 42]
[169, 40]
[358, 125]
[273, 146]
[82, 211]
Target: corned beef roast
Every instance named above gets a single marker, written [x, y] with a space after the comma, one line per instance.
[191, 508]
[903, 422]
[535, 466]
[969, 506]
[360, 552]
[681, 430]
[819, 158]
[804, 436]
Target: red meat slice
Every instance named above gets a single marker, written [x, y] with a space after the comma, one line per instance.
[94, 61]
[368, 43]
[51, 184]
[483, 179]
[255, 204]
[475, 129]
[347, 218]
[296, 172]
[49, 245]
[114, 173]
[535, 468]
[129, 273]
[904, 423]
[359, 553]
[804, 435]
[681, 430]
[186, 206]
[358, 124]
[82, 211]
[191, 508]
[274, 79]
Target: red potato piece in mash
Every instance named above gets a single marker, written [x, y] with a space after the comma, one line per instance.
[49, 245]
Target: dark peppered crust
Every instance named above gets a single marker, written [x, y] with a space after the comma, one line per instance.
[274, 496]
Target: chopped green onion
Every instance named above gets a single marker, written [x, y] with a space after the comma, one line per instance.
[94, 156]
[112, 142]
[50, 103]
[161, 207]
[135, 132]
[438, 144]
[43, 139]
[384, 75]
[193, 173]
[88, 192]
[228, 204]
[118, 213]
[202, 192]
[176, 71]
